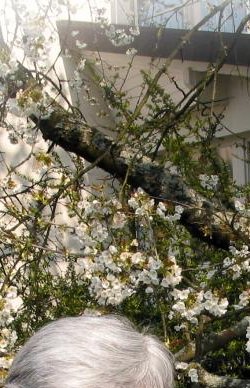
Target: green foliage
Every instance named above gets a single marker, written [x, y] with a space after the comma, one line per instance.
[71, 247]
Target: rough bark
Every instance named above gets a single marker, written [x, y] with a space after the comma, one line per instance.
[210, 380]
[200, 216]
[214, 341]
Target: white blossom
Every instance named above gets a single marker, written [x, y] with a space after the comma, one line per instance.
[81, 64]
[181, 365]
[244, 298]
[239, 205]
[193, 374]
[209, 181]
[74, 33]
[131, 51]
[248, 337]
[80, 45]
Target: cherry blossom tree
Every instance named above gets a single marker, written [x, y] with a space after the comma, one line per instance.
[163, 237]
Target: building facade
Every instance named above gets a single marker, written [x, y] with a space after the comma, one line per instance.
[154, 42]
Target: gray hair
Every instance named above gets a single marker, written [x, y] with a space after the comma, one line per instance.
[91, 352]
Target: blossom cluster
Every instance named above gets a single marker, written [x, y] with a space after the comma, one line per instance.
[114, 262]
[118, 36]
[193, 374]
[238, 263]
[248, 338]
[10, 305]
[209, 182]
[244, 299]
[201, 302]
[114, 249]
[161, 211]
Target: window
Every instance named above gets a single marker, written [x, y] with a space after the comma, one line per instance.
[167, 13]
[231, 18]
[124, 12]
[178, 14]
[216, 93]
[236, 155]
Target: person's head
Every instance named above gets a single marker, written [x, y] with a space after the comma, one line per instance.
[91, 352]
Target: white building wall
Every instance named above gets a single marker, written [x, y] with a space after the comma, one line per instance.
[179, 14]
[232, 88]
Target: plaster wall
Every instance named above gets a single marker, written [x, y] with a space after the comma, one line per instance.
[231, 86]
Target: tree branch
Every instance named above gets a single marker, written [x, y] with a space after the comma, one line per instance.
[199, 216]
[214, 341]
[67, 130]
[210, 380]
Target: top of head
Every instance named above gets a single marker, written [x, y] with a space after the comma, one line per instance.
[91, 352]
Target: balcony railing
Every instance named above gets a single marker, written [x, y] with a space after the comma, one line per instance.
[181, 14]
[185, 14]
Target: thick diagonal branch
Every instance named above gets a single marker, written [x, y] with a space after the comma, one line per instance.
[69, 131]
[210, 380]
[214, 341]
[66, 130]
